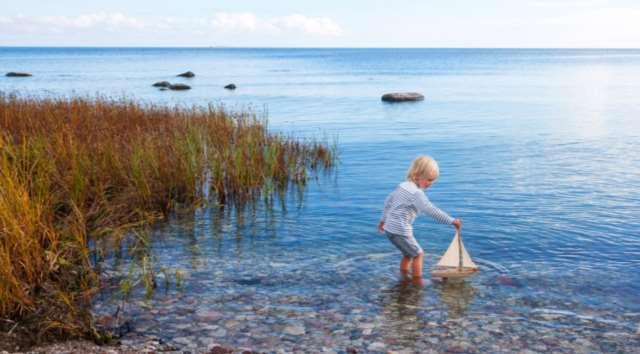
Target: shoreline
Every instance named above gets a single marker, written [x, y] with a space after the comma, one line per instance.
[77, 170]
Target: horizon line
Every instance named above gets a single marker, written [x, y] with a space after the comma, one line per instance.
[293, 47]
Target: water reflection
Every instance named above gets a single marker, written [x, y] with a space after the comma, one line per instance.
[402, 311]
[456, 295]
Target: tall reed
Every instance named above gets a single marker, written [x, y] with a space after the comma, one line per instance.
[76, 168]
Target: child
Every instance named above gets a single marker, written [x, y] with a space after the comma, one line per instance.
[401, 207]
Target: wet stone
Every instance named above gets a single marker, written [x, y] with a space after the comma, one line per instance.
[376, 346]
[295, 330]
[220, 350]
[209, 315]
[220, 332]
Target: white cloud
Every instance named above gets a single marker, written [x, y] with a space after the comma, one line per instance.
[235, 22]
[217, 25]
[4, 20]
[321, 26]
[615, 17]
[569, 3]
[110, 20]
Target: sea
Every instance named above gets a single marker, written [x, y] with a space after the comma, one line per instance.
[539, 155]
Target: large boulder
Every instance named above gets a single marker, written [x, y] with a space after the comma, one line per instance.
[17, 74]
[179, 87]
[402, 97]
[187, 74]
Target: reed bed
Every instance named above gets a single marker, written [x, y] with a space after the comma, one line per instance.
[72, 169]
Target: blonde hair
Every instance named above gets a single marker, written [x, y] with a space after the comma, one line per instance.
[423, 166]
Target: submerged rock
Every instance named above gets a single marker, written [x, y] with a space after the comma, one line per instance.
[295, 330]
[162, 84]
[230, 87]
[17, 74]
[179, 87]
[402, 97]
[376, 346]
[187, 74]
[220, 350]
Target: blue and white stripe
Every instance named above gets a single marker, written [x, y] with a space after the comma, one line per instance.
[402, 206]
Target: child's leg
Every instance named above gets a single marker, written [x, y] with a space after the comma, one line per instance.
[404, 264]
[417, 266]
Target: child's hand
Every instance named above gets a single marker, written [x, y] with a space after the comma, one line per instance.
[381, 227]
[457, 223]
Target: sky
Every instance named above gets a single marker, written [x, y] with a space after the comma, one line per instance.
[326, 23]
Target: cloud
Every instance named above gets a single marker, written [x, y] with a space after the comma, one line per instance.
[322, 26]
[109, 20]
[233, 22]
[296, 23]
[216, 25]
[585, 4]
[606, 17]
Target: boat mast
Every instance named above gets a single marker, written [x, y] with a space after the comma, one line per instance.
[459, 251]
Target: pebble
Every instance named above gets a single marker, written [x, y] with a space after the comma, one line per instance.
[221, 332]
[376, 346]
[295, 330]
[269, 317]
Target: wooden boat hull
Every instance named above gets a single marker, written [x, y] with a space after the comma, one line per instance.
[453, 272]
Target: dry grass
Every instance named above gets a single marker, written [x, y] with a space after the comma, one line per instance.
[77, 168]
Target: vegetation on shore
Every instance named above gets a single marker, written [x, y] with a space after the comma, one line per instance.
[72, 169]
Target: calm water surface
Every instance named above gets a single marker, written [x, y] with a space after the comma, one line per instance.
[539, 152]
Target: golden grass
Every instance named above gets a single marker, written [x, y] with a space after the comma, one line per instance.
[77, 168]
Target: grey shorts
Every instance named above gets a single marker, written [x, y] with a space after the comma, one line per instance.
[406, 244]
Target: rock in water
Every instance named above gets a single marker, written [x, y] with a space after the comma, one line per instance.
[402, 97]
[187, 74]
[162, 84]
[230, 87]
[17, 74]
[179, 87]
[295, 330]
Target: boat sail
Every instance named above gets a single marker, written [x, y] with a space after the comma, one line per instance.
[455, 262]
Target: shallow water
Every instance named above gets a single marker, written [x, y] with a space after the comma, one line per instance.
[538, 151]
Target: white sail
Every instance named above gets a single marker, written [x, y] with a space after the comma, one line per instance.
[451, 258]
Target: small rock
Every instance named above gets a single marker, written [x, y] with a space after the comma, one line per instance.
[182, 340]
[17, 74]
[402, 97]
[162, 84]
[179, 87]
[230, 87]
[210, 315]
[221, 332]
[295, 330]
[187, 74]
[376, 346]
[220, 350]
[551, 316]
[352, 350]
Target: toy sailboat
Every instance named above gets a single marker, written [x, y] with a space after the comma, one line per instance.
[455, 262]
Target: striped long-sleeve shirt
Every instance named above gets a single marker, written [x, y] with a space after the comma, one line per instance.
[402, 206]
